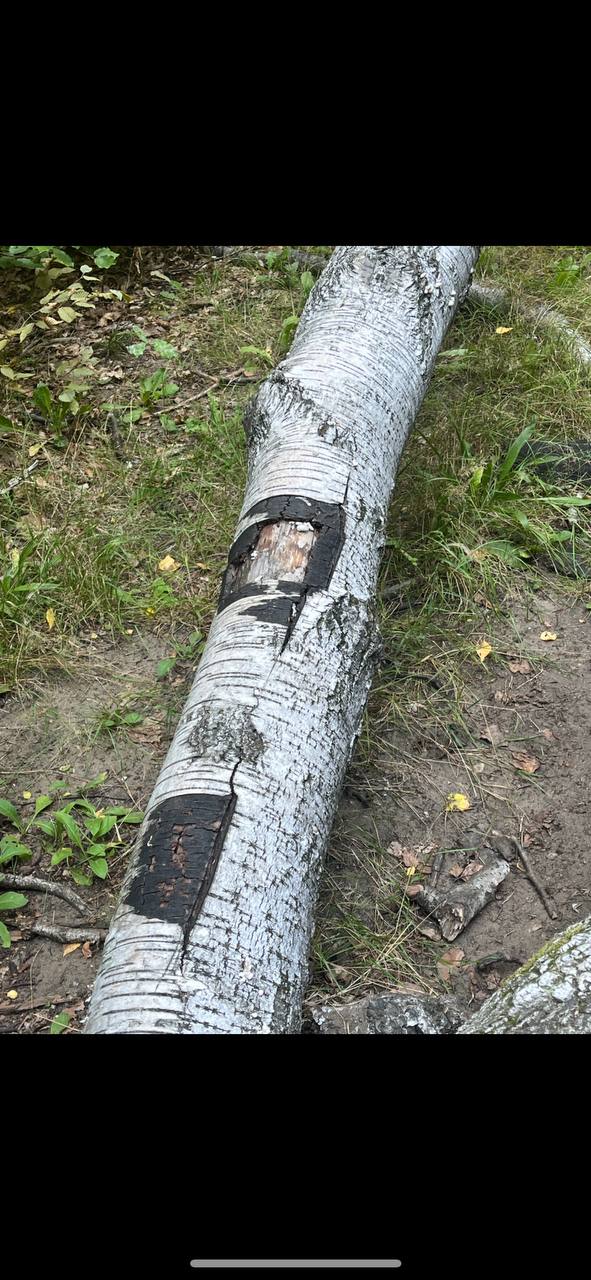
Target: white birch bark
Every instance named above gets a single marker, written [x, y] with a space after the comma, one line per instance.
[271, 720]
[550, 995]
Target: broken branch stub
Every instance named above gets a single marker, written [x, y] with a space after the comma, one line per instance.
[213, 927]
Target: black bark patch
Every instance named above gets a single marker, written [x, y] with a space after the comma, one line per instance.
[178, 858]
[328, 518]
[279, 609]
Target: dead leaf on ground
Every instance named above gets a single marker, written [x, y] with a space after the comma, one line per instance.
[548, 635]
[484, 650]
[550, 736]
[87, 950]
[502, 328]
[50, 619]
[520, 666]
[72, 946]
[492, 734]
[456, 871]
[522, 760]
[453, 956]
[471, 870]
[168, 565]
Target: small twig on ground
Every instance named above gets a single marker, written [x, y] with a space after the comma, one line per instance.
[65, 933]
[45, 886]
[523, 858]
[19, 479]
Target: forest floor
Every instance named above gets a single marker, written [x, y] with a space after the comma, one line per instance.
[113, 547]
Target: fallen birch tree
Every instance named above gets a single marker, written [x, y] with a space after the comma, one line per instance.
[549, 995]
[213, 927]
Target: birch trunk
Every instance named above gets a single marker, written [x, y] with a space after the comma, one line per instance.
[550, 995]
[213, 927]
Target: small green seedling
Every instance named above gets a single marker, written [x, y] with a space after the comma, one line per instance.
[9, 902]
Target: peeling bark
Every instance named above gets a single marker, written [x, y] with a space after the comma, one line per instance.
[213, 928]
[549, 995]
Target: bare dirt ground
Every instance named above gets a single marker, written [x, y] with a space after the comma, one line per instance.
[536, 717]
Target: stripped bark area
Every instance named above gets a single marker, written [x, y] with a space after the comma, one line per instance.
[213, 928]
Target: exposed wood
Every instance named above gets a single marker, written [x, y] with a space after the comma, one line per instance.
[213, 928]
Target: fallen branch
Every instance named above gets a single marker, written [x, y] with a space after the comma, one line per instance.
[64, 933]
[44, 886]
[214, 923]
[543, 315]
[534, 879]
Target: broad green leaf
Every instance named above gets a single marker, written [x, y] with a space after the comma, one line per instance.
[41, 803]
[105, 258]
[42, 399]
[133, 717]
[10, 849]
[164, 667]
[7, 810]
[11, 901]
[69, 824]
[125, 814]
[100, 867]
[60, 1023]
[67, 314]
[80, 877]
[59, 856]
[46, 825]
[137, 348]
[62, 257]
[4, 935]
[164, 349]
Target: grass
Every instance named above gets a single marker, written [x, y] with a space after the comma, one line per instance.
[83, 536]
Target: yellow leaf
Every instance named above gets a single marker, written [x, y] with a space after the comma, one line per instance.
[199, 565]
[457, 801]
[483, 650]
[34, 448]
[72, 946]
[150, 613]
[25, 331]
[548, 635]
[501, 329]
[12, 995]
[26, 795]
[7, 372]
[3, 343]
[168, 565]
[410, 871]
[50, 619]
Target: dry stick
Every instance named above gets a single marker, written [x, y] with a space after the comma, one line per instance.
[544, 315]
[64, 933]
[533, 878]
[45, 886]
